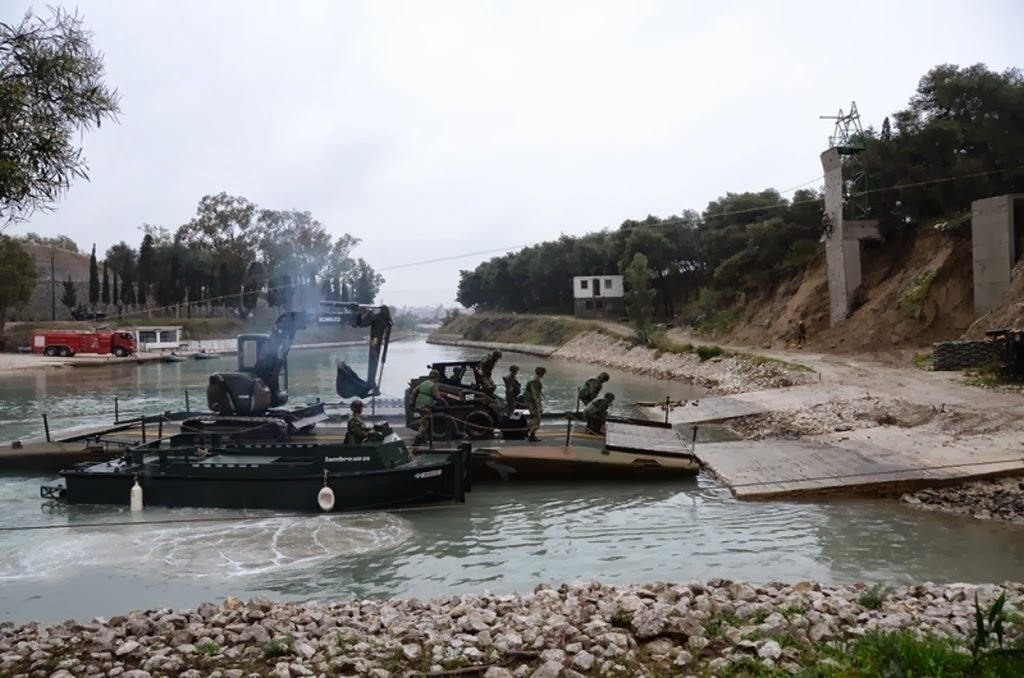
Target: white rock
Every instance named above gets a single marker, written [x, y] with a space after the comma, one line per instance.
[683, 658]
[126, 648]
[770, 650]
[548, 670]
[498, 672]
[583, 660]
[411, 652]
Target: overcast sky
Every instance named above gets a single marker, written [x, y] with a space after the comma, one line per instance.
[438, 128]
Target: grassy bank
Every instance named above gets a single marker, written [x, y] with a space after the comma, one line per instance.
[533, 330]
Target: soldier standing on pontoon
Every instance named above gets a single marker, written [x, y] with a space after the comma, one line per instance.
[512, 389]
[534, 401]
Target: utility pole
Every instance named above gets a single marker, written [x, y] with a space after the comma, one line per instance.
[53, 288]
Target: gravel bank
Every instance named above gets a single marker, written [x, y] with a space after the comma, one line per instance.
[722, 375]
[577, 629]
[987, 500]
[836, 415]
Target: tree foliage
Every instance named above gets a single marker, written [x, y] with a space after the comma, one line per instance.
[228, 256]
[17, 278]
[105, 286]
[94, 279]
[51, 89]
[61, 242]
[640, 297]
[959, 139]
[69, 294]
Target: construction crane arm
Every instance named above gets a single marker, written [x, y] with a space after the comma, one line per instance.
[378, 319]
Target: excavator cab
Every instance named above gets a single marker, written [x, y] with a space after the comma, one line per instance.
[256, 386]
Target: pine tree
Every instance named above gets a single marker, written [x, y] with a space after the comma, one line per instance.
[94, 280]
[70, 296]
[106, 286]
[114, 296]
[145, 267]
[127, 291]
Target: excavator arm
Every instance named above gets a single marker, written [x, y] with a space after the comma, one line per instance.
[348, 384]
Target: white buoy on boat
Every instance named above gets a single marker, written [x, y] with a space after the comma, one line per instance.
[136, 497]
[325, 498]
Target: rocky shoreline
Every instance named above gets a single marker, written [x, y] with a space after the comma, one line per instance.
[719, 375]
[584, 628]
[1000, 500]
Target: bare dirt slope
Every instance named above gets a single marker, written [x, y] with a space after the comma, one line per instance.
[915, 292]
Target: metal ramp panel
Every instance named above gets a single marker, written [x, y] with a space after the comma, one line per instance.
[625, 437]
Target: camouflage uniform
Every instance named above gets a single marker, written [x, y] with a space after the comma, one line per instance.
[597, 413]
[358, 429]
[426, 394]
[534, 399]
[592, 387]
[486, 370]
[512, 390]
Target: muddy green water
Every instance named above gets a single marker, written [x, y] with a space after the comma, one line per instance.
[506, 538]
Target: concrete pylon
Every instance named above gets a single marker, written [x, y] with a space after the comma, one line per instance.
[835, 245]
[842, 240]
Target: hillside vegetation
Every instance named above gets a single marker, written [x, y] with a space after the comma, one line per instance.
[519, 329]
[751, 264]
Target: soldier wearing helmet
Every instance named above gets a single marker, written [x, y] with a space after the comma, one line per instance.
[358, 429]
[512, 389]
[596, 413]
[592, 387]
[487, 369]
[534, 401]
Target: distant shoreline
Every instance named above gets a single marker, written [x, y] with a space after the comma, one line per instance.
[14, 363]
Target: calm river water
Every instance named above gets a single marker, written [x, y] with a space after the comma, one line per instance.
[506, 538]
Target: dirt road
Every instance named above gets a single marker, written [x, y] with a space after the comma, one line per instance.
[961, 409]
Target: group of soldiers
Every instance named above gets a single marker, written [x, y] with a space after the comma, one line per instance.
[595, 408]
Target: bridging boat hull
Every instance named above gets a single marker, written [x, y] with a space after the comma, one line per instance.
[293, 483]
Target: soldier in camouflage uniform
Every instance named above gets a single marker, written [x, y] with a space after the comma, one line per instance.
[597, 413]
[592, 387]
[426, 393]
[358, 429]
[534, 401]
[487, 369]
[512, 389]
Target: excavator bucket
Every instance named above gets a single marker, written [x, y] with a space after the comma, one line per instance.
[348, 384]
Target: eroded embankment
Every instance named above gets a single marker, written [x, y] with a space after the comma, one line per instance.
[612, 345]
[718, 374]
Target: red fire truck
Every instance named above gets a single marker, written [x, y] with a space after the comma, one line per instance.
[69, 342]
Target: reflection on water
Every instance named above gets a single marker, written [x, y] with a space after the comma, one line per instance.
[506, 538]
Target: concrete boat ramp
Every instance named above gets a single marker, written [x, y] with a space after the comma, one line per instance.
[883, 459]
